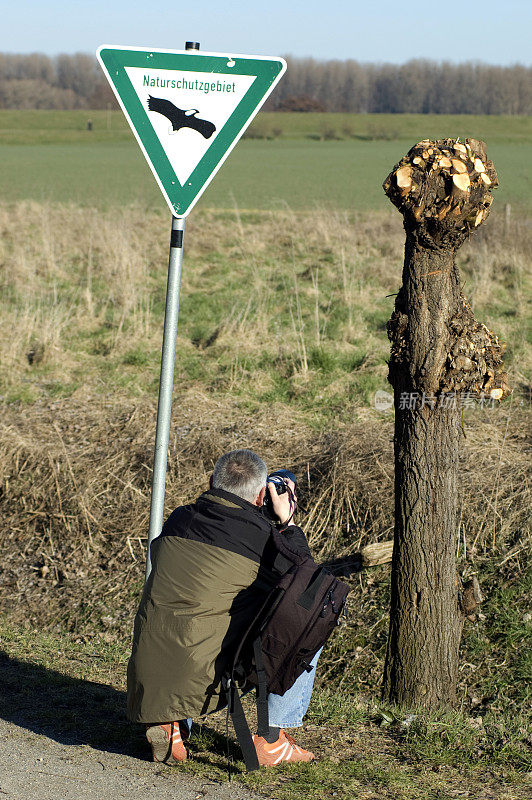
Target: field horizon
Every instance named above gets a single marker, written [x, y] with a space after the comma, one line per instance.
[296, 161]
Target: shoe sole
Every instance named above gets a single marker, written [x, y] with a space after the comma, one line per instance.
[161, 747]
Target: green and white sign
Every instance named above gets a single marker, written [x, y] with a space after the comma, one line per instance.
[187, 109]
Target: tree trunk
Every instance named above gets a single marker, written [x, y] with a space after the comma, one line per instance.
[424, 629]
[440, 354]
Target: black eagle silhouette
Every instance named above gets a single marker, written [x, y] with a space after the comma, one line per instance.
[181, 119]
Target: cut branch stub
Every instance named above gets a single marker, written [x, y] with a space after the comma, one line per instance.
[475, 360]
[461, 185]
[403, 177]
[442, 187]
[443, 190]
[470, 597]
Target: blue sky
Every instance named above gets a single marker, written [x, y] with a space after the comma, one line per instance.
[494, 31]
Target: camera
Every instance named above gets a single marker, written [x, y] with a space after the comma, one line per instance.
[278, 478]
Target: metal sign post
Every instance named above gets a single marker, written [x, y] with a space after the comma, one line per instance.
[166, 383]
[187, 111]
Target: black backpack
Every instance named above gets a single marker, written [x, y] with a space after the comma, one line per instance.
[296, 619]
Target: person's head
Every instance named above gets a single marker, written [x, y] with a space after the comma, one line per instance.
[243, 473]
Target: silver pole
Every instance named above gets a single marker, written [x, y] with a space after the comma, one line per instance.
[166, 383]
[164, 408]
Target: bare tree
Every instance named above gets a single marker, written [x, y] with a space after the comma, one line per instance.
[78, 72]
[75, 81]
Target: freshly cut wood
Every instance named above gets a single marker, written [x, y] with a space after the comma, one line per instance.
[479, 166]
[496, 394]
[379, 553]
[458, 165]
[478, 219]
[403, 176]
[461, 184]
[420, 183]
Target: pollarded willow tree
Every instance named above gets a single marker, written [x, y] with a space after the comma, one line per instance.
[441, 357]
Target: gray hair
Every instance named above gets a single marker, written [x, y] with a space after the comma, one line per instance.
[240, 472]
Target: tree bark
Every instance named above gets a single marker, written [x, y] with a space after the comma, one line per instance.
[439, 354]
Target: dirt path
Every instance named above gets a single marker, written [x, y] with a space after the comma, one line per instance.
[36, 767]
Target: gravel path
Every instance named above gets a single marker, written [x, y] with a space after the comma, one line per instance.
[35, 767]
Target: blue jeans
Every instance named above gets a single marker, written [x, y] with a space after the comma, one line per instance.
[287, 710]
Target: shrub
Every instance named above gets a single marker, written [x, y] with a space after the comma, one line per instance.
[301, 103]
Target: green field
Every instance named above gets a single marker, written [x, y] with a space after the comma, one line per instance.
[314, 160]
[46, 127]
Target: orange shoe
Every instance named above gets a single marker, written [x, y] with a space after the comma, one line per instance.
[284, 750]
[166, 743]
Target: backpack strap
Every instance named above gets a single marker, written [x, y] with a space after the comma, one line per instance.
[307, 598]
[241, 727]
[263, 722]
[293, 555]
[235, 709]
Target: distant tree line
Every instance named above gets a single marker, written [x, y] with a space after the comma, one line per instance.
[61, 82]
[417, 87]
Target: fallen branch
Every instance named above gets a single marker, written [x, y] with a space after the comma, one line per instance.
[370, 556]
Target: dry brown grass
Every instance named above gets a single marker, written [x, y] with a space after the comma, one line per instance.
[76, 481]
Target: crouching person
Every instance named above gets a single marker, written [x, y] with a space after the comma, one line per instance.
[212, 567]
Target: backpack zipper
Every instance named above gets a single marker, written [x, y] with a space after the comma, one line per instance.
[329, 598]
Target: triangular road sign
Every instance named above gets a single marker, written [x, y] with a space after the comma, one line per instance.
[187, 109]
